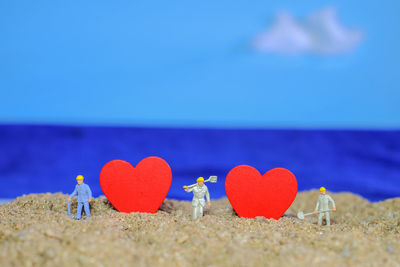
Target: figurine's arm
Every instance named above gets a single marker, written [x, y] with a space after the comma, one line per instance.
[317, 205]
[89, 193]
[73, 194]
[333, 203]
[192, 185]
[188, 188]
[208, 196]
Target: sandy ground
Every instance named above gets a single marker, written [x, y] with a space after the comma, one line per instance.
[35, 231]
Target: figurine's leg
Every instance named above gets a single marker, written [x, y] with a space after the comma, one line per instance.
[320, 218]
[200, 211]
[194, 212]
[328, 219]
[79, 210]
[87, 208]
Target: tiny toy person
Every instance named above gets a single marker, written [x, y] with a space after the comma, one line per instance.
[84, 194]
[199, 191]
[323, 205]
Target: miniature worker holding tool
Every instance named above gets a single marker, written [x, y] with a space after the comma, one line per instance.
[199, 191]
[323, 205]
[84, 194]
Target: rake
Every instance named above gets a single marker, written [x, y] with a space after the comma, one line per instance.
[301, 215]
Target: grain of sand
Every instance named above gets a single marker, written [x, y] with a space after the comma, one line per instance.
[35, 231]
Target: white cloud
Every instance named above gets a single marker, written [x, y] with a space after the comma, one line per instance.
[319, 33]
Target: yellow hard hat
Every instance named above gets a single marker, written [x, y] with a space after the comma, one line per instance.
[79, 177]
[200, 179]
[322, 189]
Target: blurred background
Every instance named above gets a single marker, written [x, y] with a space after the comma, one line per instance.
[311, 86]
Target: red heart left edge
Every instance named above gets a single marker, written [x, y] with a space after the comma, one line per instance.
[136, 189]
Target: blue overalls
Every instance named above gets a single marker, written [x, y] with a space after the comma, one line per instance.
[83, 192]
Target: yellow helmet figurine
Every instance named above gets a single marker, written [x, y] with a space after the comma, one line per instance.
[79, 177]
[200, 179]
[322, 189]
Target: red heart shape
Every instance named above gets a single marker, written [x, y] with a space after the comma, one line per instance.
[252, 194]
[136, 189]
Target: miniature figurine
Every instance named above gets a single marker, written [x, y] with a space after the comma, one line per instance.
[323, 205]
[84, 194]
[199, 191]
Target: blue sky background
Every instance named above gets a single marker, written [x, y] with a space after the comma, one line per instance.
[187, 63]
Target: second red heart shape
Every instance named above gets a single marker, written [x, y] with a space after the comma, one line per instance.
[252, 194]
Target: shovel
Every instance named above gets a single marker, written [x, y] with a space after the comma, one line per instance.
[211, 179]
[301, 215]
[69, 209]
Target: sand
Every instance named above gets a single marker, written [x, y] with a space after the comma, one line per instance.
[36, 231]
